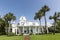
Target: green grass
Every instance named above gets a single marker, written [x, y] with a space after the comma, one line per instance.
[32, 37]
[45, 37]
[11, 37]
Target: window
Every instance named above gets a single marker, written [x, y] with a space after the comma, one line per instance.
[22, 23]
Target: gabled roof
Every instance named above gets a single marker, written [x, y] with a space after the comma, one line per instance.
[22, 18]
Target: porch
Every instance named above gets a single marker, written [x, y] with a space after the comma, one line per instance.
[26, 30]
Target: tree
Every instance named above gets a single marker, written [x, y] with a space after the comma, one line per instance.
[2, 26]
[38, 16]
[58, 22]
[44, 9]
[55, 18]
[8, 18]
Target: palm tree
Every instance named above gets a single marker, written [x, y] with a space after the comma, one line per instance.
[38, 16]
[44, 9]
[8, 18]
[55, 18]
[2, 26]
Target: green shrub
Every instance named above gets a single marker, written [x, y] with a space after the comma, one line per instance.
[31, 33]
[11, 34]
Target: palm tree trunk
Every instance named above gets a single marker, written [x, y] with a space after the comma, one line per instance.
[46, 28]
[9, 28]
[54, 27]
[41, 26]
[40, 22]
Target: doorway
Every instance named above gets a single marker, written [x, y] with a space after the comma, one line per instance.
[26, 30]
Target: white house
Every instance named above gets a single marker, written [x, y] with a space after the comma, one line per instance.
[26, 27]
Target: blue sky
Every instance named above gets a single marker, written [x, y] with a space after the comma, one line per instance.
[28, 8]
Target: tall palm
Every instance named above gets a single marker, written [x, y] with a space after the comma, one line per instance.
[55, 18]
[2, 26]
[38, 16]
[45, 9]
[8, 18]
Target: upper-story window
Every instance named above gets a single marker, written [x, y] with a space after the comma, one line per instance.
[22, 23]
[33, 24]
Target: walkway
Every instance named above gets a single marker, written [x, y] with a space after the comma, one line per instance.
[27, 37]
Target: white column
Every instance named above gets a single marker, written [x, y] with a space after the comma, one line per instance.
[23, 29]
[19, 31]
[34, 30]
[42, 30]
[39, 30]
[16, 30]
[29, 30]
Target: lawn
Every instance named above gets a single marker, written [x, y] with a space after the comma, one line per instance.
[32, 37]
[45, 37]
[11, 37]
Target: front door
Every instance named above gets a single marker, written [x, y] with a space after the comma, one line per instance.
[26, 31]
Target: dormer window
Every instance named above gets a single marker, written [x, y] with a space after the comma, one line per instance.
[22, 23]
